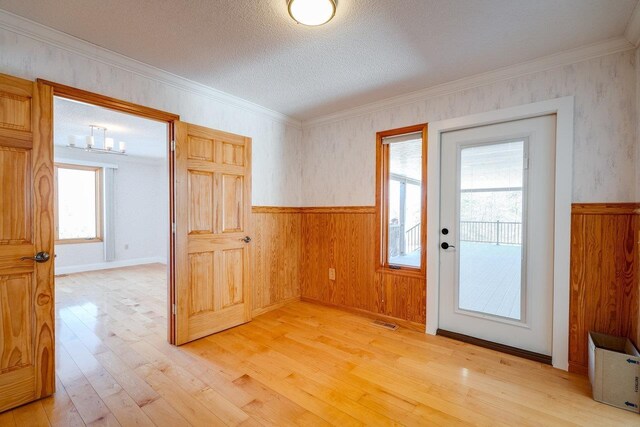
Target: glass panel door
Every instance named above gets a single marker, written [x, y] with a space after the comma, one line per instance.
[491, 207]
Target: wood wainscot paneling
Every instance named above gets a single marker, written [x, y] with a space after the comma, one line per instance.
[604, 275]
[277, 248]
[344, 239]
[294, 248]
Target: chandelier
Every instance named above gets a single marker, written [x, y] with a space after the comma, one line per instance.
[108, 144]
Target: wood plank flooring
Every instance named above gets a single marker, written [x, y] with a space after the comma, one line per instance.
[302, 364]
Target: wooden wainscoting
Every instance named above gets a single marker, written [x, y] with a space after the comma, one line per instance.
[344, 239]
[295, 247]
[604, 275]
[277, 248]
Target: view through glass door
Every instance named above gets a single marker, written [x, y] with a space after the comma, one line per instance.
[496, 255]
[491, 232]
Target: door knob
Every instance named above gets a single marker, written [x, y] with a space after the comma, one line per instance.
[39, 257]
[246, 239]
[445, 245]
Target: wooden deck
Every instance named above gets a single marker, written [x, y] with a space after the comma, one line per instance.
[299, 365]
[490, 278]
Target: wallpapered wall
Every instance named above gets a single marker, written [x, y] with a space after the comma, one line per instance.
[276, 145]
[339, 157]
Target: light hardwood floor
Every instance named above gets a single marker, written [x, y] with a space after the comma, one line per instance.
[299, 365]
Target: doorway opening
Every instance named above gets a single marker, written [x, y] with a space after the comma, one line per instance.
[113, 210]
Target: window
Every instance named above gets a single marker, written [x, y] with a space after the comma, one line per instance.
[401, 199]
[78, 203]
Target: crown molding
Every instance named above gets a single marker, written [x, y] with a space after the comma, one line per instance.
[632, 32]
[50, 36]
[572, 56]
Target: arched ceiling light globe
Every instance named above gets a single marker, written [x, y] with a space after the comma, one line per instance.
[312, 12]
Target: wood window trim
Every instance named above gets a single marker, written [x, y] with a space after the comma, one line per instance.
[99, 204]
[382, 203]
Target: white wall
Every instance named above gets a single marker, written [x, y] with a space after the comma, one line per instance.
[63, 59]
[339, 157]
[141, 214]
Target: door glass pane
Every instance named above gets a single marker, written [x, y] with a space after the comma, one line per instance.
[77, 204]
[405, 203]
[491, 229]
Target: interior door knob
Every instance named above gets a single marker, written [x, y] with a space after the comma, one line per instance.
[39, 257]
[246, 239]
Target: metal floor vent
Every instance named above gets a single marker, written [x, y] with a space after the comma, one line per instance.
[386, 325]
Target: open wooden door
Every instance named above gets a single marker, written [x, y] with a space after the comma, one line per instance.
[212, 216]
[26, 229]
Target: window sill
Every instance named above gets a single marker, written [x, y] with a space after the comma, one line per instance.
[77, 241]
[418, 274]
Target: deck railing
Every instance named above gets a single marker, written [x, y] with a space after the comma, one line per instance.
[412, 238]
[410, 241]
[498, 232]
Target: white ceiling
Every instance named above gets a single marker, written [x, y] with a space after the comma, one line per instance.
[371, 50]
[143, 137]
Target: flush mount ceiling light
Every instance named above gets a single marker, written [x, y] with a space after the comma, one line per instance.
[312, 12]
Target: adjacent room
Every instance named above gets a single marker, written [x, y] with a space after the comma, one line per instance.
[319, 212]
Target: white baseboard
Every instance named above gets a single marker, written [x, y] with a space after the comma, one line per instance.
[107, 265]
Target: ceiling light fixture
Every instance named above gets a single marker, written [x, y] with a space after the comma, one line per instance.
[90, 142]
[312, 12]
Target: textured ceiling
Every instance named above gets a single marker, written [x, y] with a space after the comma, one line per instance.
[143, 137]
[371, 50]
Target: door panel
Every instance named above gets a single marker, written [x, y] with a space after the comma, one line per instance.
[26, 218]
[213, 202]
[15, 170]
[497, 207]
[201, 214]
[232, 203]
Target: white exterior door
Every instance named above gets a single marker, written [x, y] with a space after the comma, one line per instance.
[497, 233]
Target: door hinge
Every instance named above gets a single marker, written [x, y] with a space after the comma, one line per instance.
[173, 308]
[173, 145]
[526, 163]
[173, 227]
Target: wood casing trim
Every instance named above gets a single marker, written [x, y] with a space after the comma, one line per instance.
[108, 102]
[314, 209]
[382, 203]
[605, 208]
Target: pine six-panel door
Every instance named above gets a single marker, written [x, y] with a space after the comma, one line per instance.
[213, 203]
[26, 227]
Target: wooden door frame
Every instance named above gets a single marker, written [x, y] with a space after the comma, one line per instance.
[107, 102]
